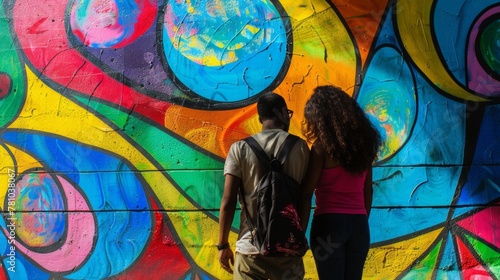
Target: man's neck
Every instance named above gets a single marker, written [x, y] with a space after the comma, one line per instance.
[271, 124]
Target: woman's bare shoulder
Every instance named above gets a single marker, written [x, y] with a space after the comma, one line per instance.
[328, 162]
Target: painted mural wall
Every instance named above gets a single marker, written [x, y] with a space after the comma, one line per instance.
[116, 117]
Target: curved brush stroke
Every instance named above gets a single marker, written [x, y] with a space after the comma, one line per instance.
[413, 21]
[483, 78]
[79, 239]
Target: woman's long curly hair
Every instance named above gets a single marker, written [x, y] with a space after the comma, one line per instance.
[335, 119]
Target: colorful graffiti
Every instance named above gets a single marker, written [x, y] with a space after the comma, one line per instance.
[116, 117]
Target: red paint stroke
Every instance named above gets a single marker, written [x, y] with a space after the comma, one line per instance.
[34, 28]
[52, 54]
[5, 84]
[484, 224]
[162, 259]
[470, 266]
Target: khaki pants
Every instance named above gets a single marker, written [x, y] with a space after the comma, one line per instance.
[262, 267]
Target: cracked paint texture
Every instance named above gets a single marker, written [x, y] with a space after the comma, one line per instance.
[116, 117]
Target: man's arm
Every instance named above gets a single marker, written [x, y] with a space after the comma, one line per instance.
[227, 209]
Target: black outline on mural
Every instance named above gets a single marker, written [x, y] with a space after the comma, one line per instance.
[228, 105]
[147, 192]
[409, 59]
[359, 73]
[63, 237]
[55, 246]
[191, 99]
[415, 94]
[362, 71]
[482, 62]
[146, 186]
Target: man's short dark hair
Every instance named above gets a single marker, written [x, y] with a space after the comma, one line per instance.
[268, 104]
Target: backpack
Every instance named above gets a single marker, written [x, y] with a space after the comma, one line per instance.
[278, 232]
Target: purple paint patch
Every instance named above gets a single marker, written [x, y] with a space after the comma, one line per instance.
[480, 81]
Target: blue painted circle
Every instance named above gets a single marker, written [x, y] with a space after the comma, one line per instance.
[226, 53]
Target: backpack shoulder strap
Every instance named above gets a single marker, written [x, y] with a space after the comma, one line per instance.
[282, 154]
[265, 161]
[286, 147]
[259, 152]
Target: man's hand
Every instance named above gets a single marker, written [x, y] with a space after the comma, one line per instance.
[226, 259]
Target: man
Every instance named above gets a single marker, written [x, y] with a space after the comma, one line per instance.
[242, 169]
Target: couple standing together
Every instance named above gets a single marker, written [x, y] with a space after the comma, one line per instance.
[338, 169]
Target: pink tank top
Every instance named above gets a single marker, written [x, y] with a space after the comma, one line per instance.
[339, 191]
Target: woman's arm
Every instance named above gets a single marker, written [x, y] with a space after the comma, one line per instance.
[316, 160]
[368, 191]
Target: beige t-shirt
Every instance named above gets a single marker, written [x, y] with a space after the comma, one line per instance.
[242, 162]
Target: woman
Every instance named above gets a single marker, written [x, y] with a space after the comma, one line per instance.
[345, 144]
